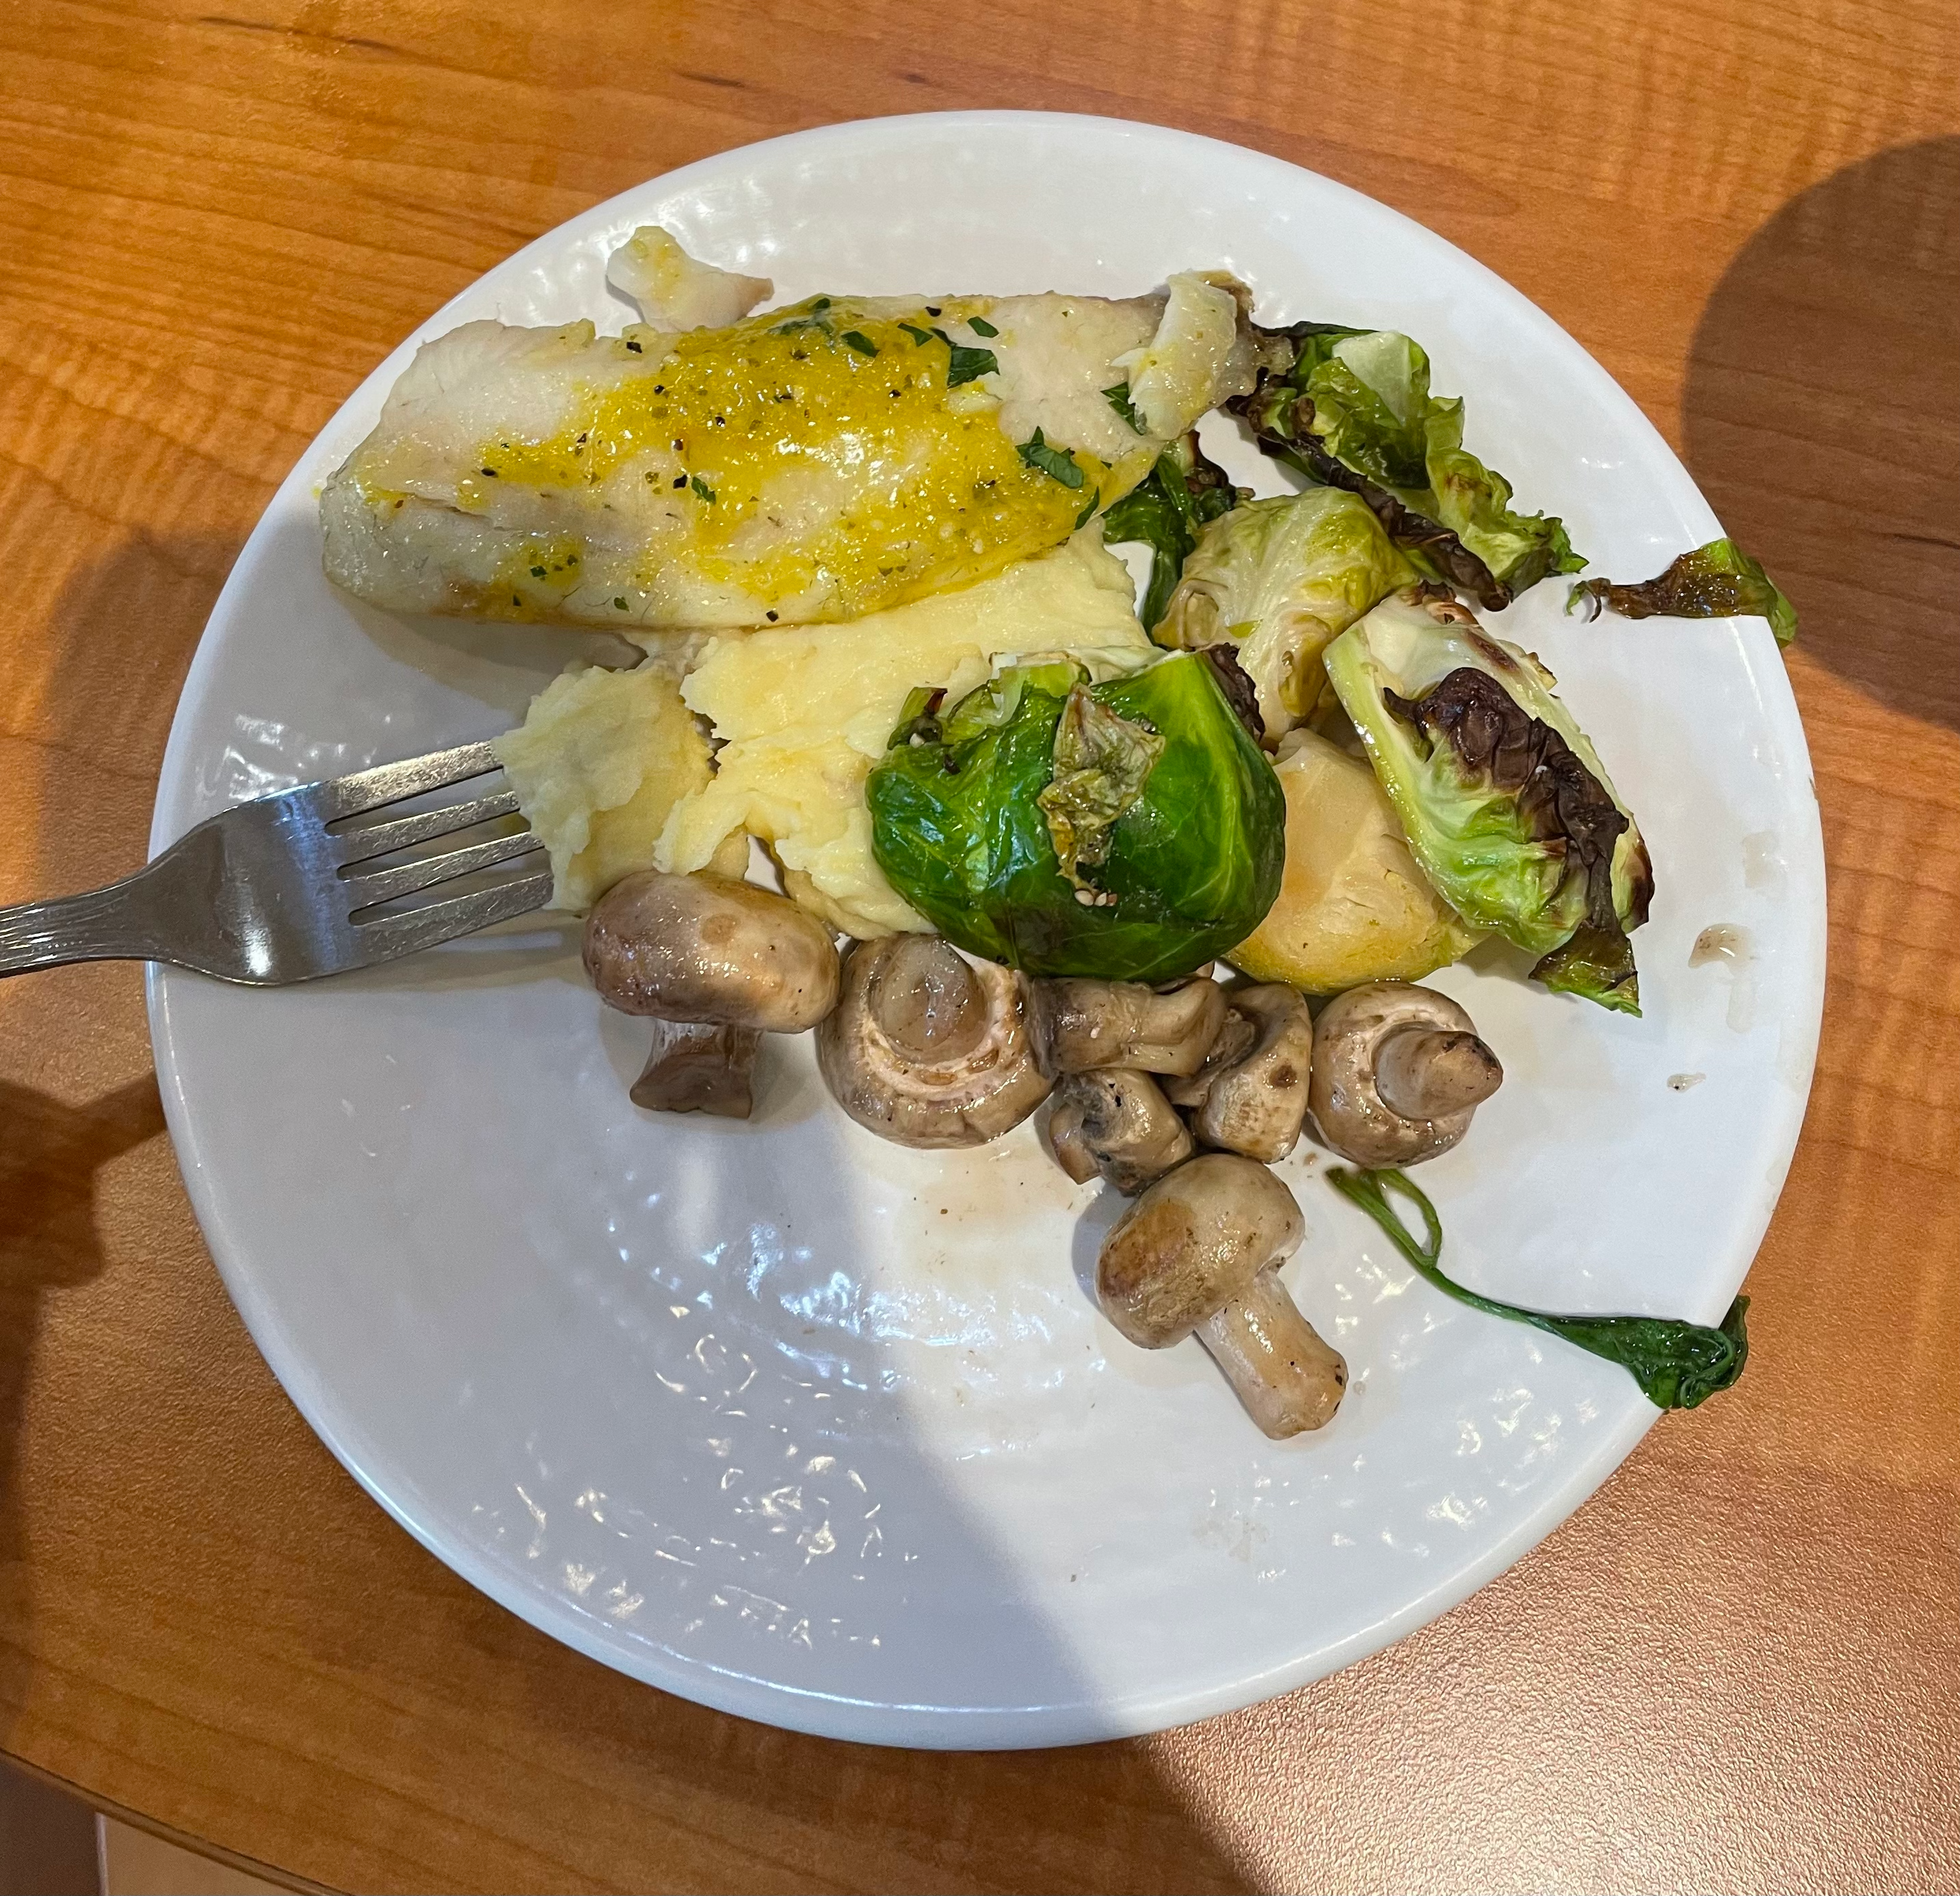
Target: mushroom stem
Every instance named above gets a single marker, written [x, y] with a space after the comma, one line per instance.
[1425, 1073]
[698, 1066]
[1288, 1380]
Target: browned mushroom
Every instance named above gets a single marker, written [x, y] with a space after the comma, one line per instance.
[926, 1048]
[1115, 1122]
[1398, 1073]
[705, 948]
[1233, 1041]
[1078, 1025]
[716, 963]
[1200, 1251]
[1255, 1104]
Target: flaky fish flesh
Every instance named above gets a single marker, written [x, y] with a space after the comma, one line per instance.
[710, 468]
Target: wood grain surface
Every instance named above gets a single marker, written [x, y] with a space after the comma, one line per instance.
[1739, 1668]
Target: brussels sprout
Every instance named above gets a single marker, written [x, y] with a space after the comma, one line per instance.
[1129, 831]
[1353, 906]
[1354, 410]
[1278, 579]
[1719, 580]
[1506, 804]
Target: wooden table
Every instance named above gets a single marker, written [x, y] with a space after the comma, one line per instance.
[1739, 1668]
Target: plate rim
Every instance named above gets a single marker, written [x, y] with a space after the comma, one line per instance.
[774, 1702]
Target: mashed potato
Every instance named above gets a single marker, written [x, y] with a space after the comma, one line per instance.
[804, 713]
[598, 765]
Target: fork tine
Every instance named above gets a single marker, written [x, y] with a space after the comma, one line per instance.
[394, 936]
[390, 782]
[383, 839]
[384, 885]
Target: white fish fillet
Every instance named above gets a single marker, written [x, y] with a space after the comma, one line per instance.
[812, 464]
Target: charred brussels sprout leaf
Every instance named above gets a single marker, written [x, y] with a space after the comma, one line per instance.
[1679, 1365]
[1505, 803]
[1719, 580]
[1172, 822]
[1102, 763]
[1354, 410]
[1167, 511]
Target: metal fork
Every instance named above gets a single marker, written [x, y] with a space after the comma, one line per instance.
[292, 887]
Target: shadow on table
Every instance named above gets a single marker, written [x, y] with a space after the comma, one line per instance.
[49, 1155]
[1820, 418]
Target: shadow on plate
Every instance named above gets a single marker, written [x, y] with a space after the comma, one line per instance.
[1823, 384]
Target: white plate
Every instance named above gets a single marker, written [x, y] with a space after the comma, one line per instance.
[826, 1432]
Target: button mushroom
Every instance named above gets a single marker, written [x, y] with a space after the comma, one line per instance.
[1200, 1251]
[926, 1049]
[718, 962]
[1255, 1104]
[1116, 1122]
[1234, 1041]
[1398, 1073]
[1078, 1025]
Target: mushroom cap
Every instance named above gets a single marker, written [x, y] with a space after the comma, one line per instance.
[1256, 1105]
[1194, 1241]
[1080, 1025]
[926, 1048]
[705, 948]
[1344, 1098]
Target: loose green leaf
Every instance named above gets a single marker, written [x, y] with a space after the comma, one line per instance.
[1056, 463]
[1354, 410]
[1166, 512]
[701, 488]
[856, 339]
[981, 326]
[1719, 580]
[919, 719]
[1118, 398]
[1188, 869]
[1679, 1365]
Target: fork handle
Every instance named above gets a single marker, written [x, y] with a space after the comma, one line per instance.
[114, 924]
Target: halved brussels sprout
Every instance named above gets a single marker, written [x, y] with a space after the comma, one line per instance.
[1353, 906]
[1278, 579]
[1505, 803]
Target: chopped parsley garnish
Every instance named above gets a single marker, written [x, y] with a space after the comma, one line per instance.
[920, 336]
[967, 365]
[537, 572]
[702, 488]
[859, 341]
[981, 326]
[619, 606]
[1055, 462]
[1088, 514]
[1118, 398]
[818, 305]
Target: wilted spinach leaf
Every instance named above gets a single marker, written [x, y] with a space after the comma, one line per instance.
[1679, 1365]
